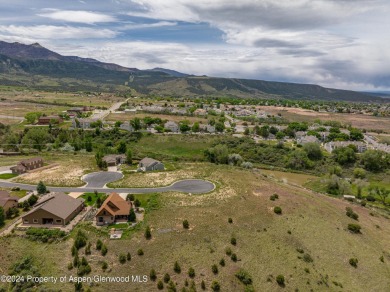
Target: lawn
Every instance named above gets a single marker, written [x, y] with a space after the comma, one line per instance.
[7, 175]
[91, 198]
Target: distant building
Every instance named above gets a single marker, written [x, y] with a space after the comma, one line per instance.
[7, 202]
[83, 123]
[114, 209]
[114, 159]
[47, 120]
[200, 112]
[172, 126]
[54, 210]
[307, 139]
[150, 164]
[330, 146]
[127, 127]
[26, 165]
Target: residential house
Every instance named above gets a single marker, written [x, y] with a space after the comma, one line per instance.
[200, 112]
[126, 126]
[114, 159]
[83, 123]
[47, 120]
[150, 164]
[300, 134]
[27, 164]
[330, 146]
[56, 209]
[171, 126]
[7, 202]
[114, 209]
[307, 139]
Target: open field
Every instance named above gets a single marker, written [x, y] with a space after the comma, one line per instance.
[171, 146]
[20, 109]
[267, 244]
[126, 117]
[104, 99]
[289, 177]
[68, 172]
[303, 115]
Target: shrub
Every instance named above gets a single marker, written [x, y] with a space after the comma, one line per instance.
[186, 225]
[353, 262]
[274, 197]
[104, 266]
[350, 213]
[128, 257]
[203, 285]
[122, 258]
[140, 252]
[228, 251]
[280, 280]
[233, 241]
[99, 244]
[130, 197]
[307, 258]
[137, 203]
[214, 268]
[160, 285]
[230, 220]
[215, 286]
[104, 250]
[177, 268]
[278, 210]
[244, 277]
[234, 257]
[167, 278]
[88, 249]
[222, 262]
[148, 233]
[153, 275]
[354, 228]
[191, 272]
[171, 286]
[70, 266]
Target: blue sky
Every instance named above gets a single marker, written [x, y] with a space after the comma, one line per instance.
[334, 43]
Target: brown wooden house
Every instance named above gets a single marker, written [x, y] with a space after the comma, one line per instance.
[114, 209]
[54, 210]
[28, 164]
[7, 202]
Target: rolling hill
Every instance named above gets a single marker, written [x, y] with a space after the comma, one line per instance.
[37, 67]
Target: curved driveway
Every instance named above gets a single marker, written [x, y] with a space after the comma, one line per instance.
[193, 186]
[101, 178]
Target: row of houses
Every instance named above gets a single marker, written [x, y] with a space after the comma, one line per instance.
[59, 209]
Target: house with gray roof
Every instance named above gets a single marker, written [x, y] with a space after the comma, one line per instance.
[54, 210]
[150, 164]
[171, 126]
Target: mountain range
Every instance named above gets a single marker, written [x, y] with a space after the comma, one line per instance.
[37, 67]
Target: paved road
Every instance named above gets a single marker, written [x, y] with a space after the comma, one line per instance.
[193, 186]
[101, 178]
[101, 115]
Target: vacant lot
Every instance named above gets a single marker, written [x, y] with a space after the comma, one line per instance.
[170, 146]
[68, 172]
[309, 243]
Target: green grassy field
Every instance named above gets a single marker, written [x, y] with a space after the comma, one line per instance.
[185, 147]
[93, 197]
[267, 244]
[7, 175]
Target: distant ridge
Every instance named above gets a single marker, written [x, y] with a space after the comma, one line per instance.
[37, 67]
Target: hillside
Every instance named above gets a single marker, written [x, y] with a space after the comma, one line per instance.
[308, 244]
[37, 67]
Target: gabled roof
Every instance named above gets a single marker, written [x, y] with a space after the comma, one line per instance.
[5, 197]
[34, 159]
[58, 204]
[115, 205]
[149, 161]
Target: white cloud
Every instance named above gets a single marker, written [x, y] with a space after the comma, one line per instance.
[147, 25]
[78, 16]
[56, 32]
